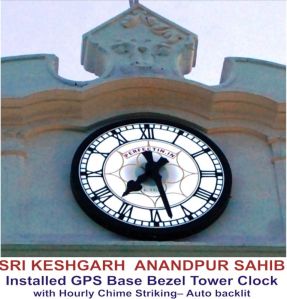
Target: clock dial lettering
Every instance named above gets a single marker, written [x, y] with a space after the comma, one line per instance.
[155, 217]
[120, 138]
[147, 131]
[94, 150]
[204, 151]
[103, 194]
[125, 211]
[180, 132]
[98, 173]
[210, 173]
[203, 194]
[186, 212]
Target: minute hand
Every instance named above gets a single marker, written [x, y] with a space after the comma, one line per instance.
[157, 178]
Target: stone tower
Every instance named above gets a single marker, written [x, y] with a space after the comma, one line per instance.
[141, 59]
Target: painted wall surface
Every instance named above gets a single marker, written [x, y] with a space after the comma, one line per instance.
[46, 117]
[36, 192]
[41, 132]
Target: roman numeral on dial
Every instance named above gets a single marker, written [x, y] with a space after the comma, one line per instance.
[155, 217]
[125, 211]
[98, 173]
[95, 151]
[178, 134]
[210, 173]
[120, 138]
[204, 151]
[203, 194]
[103, 194]
[186, 212]
[147, 132]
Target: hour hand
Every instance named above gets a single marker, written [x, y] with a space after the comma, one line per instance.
[132, 186]
[135, 185]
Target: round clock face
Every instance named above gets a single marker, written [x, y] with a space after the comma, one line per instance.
[150, 178]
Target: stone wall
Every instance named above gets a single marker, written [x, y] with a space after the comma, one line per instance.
[45, 118]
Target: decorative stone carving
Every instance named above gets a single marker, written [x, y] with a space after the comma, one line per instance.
[139, 42]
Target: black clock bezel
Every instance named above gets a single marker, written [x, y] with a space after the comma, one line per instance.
[145, 233]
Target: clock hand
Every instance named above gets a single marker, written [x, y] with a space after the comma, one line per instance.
[157, 178]
[152, 168]
[136, 185]
[161, 162]
[151, 165]
[148, 156]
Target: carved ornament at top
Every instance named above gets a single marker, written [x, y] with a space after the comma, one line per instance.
[170, 35]
[139, 42]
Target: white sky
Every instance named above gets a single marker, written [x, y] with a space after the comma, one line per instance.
[255, 29]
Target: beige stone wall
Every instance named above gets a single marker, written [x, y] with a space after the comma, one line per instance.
[42, 130]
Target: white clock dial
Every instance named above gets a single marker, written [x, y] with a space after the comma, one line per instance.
[151, 177]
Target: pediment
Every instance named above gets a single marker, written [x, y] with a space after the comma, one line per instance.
[139, 42]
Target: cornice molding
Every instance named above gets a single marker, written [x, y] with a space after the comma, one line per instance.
[70, 109]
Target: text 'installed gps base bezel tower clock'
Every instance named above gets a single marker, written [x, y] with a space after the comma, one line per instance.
[150, 178]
